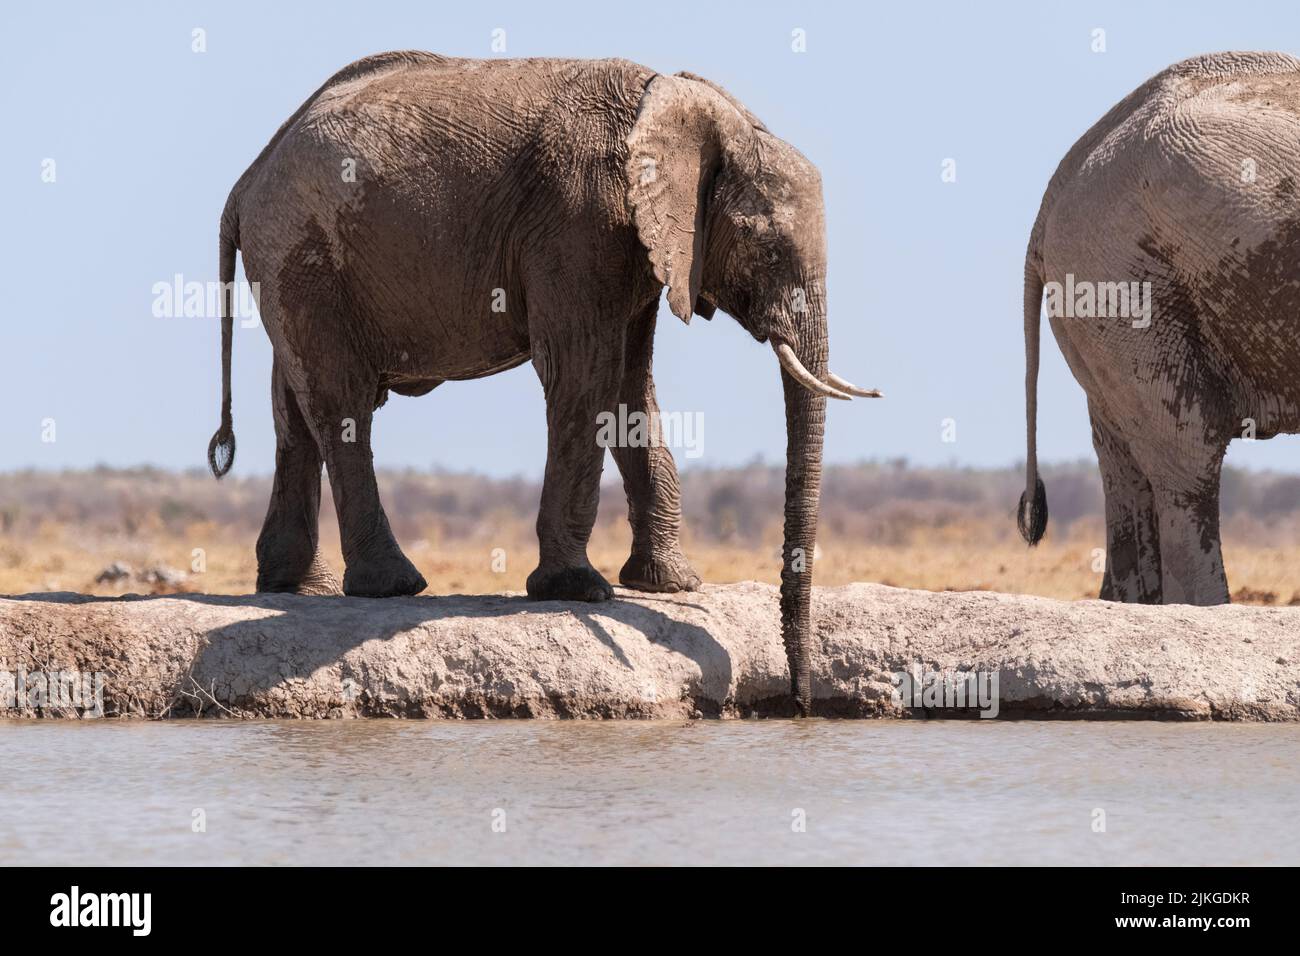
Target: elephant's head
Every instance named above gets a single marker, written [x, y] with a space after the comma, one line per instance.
[732, 218]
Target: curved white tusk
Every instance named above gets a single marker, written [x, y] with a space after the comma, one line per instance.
[837, 382]
[796, 371]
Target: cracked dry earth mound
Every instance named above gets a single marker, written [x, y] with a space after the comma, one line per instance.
[716, 652]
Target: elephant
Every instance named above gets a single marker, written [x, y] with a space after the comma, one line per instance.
[423, 219]
[1168, 245]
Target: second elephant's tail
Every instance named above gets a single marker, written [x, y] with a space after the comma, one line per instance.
[221, 450]
[1032, 515]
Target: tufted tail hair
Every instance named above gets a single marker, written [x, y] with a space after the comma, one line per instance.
[1032, 514]
[221, 450]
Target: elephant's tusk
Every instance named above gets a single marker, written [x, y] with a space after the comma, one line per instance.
[785, 355]
[836, 382]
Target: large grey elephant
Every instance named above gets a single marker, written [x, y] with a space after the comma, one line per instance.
[1169, 245]
[423, 219]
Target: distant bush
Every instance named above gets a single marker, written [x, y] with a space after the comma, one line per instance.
[883, 502]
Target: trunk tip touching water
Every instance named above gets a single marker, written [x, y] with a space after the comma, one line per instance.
[803, 688]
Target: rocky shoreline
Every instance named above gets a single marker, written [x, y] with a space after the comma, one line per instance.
[713, 653]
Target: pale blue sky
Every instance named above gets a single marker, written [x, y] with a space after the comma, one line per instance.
[925, 276]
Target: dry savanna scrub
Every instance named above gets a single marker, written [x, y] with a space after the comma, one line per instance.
[146, 531]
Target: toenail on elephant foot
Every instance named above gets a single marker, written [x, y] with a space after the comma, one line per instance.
[569, 584]
[394, 577]
[663, 575]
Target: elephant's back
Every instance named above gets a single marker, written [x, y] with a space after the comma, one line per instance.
[1169, 107]
[445, 134]
[407, 102]
[1202, 161]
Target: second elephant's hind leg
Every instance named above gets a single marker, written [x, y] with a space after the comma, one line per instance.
[650, 476]
[1132, 572]
[1187, 509]
[288, 553]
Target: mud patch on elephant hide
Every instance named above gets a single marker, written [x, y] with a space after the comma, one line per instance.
[1196, 391]
[1260, 290]
[310, 283]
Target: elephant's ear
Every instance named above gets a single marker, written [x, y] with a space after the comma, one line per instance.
[750, 118]
[677, 145]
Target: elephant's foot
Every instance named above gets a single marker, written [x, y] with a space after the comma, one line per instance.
[662, 573]
[319, 579]
[392, 575]
[569, 584]
[1129, 592]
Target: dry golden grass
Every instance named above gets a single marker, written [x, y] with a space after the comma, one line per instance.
[933, 528]
[965, 555]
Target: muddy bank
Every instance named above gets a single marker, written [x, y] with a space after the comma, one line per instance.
[713, 653]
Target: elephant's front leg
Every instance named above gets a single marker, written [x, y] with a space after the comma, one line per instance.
[650, 476]
[340, 409]
[288, 555]
[1132, 539]
[580, 375]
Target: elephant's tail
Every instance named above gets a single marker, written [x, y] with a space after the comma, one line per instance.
[1032, 515]
[221, 450]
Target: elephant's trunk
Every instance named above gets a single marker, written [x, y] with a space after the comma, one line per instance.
[805, 419]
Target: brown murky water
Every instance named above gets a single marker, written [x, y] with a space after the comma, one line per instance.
[391, 792]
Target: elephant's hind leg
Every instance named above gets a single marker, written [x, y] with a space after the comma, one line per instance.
[339, 408]
[288, 554]
[650, 477]
[1185, 485]
[1132, 536]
